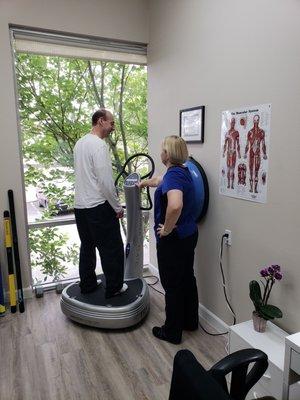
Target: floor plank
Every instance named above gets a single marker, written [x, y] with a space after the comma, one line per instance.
[45, 356]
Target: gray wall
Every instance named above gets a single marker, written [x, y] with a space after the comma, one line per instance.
[227, 54]
[118, 19]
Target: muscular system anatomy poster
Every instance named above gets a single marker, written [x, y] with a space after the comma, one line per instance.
[245, 137]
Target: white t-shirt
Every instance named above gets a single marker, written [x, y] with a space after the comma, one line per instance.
[93, 174]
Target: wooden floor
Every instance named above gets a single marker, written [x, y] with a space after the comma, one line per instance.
[46, 356]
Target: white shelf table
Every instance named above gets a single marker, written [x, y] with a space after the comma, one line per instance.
[272, 342]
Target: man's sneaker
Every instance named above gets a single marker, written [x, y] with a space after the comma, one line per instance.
[122, 290]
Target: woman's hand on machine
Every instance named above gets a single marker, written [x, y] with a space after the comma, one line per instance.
[142, 184]
[152, 182]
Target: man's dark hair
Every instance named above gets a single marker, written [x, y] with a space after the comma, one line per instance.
[101, 113]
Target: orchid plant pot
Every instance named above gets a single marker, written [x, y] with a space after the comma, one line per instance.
[259, 323]
[263, 310]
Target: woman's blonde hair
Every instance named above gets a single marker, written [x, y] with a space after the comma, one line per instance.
[176, 149]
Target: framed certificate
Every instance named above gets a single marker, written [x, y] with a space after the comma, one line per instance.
[192, 124]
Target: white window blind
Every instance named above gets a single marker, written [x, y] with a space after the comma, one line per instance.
[65, 45]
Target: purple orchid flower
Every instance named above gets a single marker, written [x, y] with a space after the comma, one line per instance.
[271, 270]
[276, 267]
[278, 275]
[264, 272]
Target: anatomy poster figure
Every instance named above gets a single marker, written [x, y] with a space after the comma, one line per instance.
[231, 148]
[242, 171]
[245, 132]
[255, 145]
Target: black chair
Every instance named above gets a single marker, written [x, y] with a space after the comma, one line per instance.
[190, 381]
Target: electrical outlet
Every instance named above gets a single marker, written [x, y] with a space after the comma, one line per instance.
[228, 240]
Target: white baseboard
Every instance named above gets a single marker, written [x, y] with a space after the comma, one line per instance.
[210, 318]
[27, 293]
[153, 268]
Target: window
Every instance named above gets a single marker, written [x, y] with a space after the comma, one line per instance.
[61, 81]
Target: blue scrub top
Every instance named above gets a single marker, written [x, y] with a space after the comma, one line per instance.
[176, 177]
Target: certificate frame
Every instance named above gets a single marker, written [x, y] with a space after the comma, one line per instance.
[191, 124]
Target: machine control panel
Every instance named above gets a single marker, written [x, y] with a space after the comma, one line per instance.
[132, 179]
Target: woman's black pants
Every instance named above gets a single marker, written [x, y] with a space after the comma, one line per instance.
[98, 227]
[175, 258]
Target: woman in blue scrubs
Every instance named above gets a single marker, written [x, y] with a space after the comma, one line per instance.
[176, 234]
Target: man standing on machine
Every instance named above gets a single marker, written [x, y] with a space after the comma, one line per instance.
[97, 209]
[255, 140]
[232, 144]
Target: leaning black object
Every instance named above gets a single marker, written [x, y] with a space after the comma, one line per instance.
[16, 251]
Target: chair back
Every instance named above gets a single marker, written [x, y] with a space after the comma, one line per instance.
[191, 381]
[243, 378]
